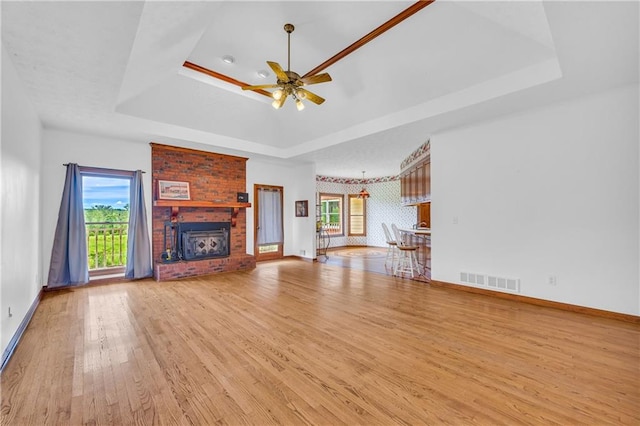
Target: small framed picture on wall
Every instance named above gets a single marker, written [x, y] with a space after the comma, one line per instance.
[302, 208]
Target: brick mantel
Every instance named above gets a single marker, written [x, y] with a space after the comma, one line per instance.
[214, 181]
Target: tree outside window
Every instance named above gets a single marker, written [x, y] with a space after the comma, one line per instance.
[331, 213]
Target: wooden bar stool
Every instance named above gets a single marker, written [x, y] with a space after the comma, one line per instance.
[407, 261]
[392, 247]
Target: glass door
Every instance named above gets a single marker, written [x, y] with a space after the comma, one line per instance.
[268, 222]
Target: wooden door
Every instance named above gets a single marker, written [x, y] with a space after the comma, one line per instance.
[424, 215]
[420, 189]
[413, 182]
[404, 188]
[427, 181]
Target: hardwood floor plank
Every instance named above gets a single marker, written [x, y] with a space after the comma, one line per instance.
[295, 342]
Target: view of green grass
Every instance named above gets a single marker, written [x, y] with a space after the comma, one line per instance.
[106, 235]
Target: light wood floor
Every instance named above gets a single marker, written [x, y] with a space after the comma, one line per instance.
[340, 256]
[295, 342]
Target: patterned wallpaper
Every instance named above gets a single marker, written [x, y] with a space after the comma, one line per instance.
[331, 179]
[382, 207]
[424, 151]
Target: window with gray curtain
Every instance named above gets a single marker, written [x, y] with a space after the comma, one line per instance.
[69, 257]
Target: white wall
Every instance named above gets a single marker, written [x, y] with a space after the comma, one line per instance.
[383, 206]
[60, 147]
[298, 182]
[20, 183]
[553, 191]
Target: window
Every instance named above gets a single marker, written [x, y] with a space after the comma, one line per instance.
[105, 196]
[331, 213]
[271, 248]
[357, 216]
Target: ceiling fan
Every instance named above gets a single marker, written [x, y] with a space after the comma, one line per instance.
[290, 83]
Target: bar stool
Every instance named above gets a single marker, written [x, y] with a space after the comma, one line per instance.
[407, 261]
[392, 247]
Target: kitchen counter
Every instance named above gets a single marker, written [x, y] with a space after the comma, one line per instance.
[420, 237]
[416, 231]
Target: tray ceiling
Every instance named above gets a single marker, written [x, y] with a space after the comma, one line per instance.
[116, 68]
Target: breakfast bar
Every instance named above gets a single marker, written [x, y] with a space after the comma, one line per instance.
[420, 237]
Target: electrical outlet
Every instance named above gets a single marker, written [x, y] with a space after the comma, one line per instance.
[553, 280]
[10, 314]
[303, 252]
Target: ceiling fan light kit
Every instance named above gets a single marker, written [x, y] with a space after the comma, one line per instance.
[290, 83]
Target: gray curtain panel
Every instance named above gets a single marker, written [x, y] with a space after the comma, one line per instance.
[69, 260]
[138, 246]
[270, 217]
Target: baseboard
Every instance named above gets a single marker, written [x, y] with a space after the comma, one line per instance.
[6, 355]
[296, 257]
[289, 257]
[541, 302]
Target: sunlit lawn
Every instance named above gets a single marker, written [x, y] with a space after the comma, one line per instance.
[106, 236]
[106, 249]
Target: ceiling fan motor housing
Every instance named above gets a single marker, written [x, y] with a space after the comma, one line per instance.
[294, 78]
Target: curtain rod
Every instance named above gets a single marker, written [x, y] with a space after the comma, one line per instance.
[104, 168]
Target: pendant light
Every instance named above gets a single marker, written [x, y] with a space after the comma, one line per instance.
[363, 193]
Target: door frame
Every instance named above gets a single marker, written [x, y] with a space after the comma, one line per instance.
[279, 254]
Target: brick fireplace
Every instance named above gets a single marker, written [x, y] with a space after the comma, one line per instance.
[214, 182]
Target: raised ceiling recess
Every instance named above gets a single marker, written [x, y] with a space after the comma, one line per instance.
[290, 83]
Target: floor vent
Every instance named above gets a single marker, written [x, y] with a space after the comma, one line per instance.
[502, 283]
[472, 278]
[498, 283]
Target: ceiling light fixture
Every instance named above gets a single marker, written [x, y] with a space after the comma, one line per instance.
[363, 193]
[228, 59]
[263, 73]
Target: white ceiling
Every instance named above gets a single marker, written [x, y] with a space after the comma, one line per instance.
[115, 68]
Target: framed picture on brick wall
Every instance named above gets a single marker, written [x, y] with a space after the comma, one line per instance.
[173, 190]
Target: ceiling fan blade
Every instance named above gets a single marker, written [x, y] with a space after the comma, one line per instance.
[262, 86]
[312, 96]
[277, 69]
[318, 78]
